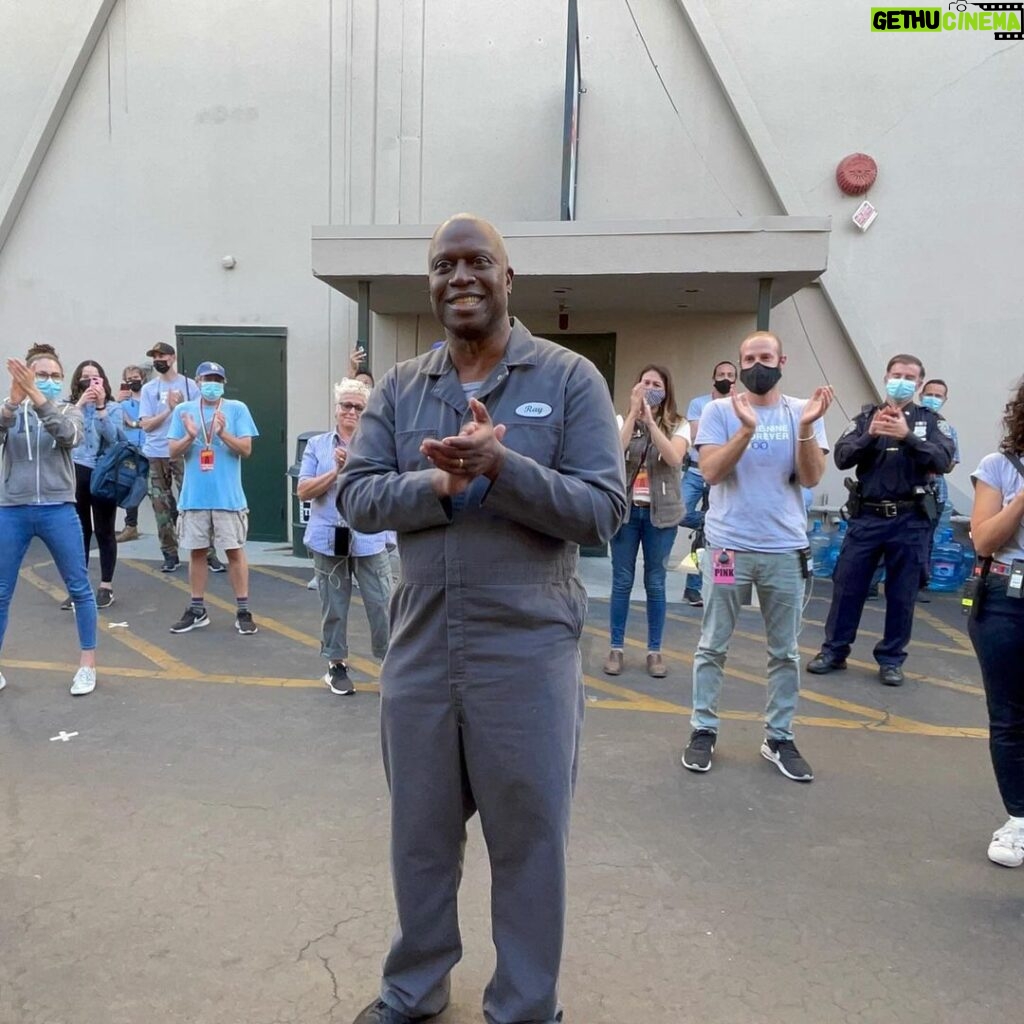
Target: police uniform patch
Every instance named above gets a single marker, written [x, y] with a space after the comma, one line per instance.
[851, 429]
[945, 429]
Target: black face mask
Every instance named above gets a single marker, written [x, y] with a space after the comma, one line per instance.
[161, 365]
[760, 379]
[722, 386]
[132, 385]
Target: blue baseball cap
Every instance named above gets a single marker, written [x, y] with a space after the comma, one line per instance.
[210, 370]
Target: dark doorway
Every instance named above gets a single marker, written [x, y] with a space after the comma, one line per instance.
[598, 348]
[254, 358]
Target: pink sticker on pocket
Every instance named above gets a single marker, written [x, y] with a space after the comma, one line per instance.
[723, 566]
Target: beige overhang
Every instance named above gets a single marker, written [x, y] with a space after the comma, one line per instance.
[700, 265]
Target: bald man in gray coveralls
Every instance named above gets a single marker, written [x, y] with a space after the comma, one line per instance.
[493, 457]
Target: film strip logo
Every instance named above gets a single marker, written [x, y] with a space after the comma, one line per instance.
[1018, 7]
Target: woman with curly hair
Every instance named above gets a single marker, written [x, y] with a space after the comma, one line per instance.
[37, 493]
[997, 630]
[654, 442]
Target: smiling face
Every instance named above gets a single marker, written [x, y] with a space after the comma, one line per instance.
[347, 411]
[470, 279]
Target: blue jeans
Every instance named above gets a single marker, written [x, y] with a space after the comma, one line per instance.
[693, 490]
[57, 526]
[780, 591]
[657, 544]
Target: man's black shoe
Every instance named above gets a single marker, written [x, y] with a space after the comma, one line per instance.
[697, 755]
[891, 675]
[823, 664]
[378, 1012]
[171, 562]
[214, 563]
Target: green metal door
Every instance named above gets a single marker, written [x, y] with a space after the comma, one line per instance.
[254, 358]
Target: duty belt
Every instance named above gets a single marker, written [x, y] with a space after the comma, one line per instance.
[888, 509]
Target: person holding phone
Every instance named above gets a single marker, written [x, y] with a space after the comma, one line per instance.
[103, 422]
[339, 553]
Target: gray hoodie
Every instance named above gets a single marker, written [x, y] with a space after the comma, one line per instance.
[37, 443]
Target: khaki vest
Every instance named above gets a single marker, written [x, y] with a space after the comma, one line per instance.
[666, 500]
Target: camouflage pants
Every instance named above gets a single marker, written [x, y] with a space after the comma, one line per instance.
[163, 474]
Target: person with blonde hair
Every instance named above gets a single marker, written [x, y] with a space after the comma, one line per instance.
[37, 493]
[338, 552]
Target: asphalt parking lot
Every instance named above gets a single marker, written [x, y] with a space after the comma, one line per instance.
[209, 844]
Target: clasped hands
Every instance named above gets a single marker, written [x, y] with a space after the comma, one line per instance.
[216, 424]
[476, 451]
[889, 421]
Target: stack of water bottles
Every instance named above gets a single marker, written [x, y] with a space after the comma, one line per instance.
[951, 564]
[825, 546]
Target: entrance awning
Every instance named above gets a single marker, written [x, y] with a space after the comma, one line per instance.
[707, 265]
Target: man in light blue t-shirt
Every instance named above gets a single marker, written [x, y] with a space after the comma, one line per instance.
[757, 450]
[213, 434]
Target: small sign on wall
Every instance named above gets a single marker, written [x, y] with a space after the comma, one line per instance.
[865, 215]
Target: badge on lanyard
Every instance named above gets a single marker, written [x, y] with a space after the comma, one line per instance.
[206, 452]
[723, 566]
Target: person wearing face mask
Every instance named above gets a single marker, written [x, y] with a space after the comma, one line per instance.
[213, 434]
[157, 402]
[654, 439]
[37, 494]
[695, 487]
[339, 554]
[757, 450]
[896, 449]
[934, 394]
[128, 397]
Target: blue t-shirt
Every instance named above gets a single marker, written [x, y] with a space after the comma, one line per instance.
[153, 401]
[759, 506]
[693, 412]
[220, 487]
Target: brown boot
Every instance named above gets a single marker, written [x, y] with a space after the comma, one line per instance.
[613, 663]
[128, 533]
[656, 667]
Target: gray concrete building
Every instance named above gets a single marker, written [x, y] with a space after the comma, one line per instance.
[229, 173]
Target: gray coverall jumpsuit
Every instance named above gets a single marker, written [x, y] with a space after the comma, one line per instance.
[481, 690]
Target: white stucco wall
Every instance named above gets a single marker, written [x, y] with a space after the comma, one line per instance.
[201, 130]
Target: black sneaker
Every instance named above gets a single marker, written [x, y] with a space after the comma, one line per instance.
[104, 597]
[216, 565]
[784, 755]
[192, 619]
[171, 562]
[67, 604]
[337, 681]
[693, 598]
[697, 755]
[244, 623]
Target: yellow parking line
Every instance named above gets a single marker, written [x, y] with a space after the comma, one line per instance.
[951, 632]
[264, 621]
[159, 657]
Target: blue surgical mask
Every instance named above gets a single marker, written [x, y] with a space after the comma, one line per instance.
[50, 388]
[654, 396]
[212, 390]
[900, 390]
[933, 402]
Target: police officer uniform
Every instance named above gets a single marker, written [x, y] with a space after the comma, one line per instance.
[891, 517]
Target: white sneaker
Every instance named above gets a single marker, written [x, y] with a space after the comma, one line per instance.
[3, 682]
[313, 584]
[84, 682]
[1007, 846]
